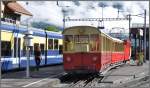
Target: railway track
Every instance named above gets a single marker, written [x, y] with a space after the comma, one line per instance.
[82, 80]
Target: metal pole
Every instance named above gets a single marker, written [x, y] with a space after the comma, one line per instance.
[149, 54]
[27, 52]
[145, 36]
[27, 70]
[63, 20]
[17, 41]
[45, 48]
[102, 11]
[63, 14]
[0, 45]
[28, 55]
[129, 26]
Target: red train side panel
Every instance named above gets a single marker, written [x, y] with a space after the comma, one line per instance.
[105, 60]
[82, 61]
[117, 57]
[127, 50]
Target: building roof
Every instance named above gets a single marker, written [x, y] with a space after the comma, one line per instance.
[14, 6]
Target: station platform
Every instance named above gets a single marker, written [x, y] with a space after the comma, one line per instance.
[124, 74]
[43, 78]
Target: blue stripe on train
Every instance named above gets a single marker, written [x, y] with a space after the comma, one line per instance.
[52, 52]
[8, 65]
[49, 62]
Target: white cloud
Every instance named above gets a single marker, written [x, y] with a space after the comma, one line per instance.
[50, 12]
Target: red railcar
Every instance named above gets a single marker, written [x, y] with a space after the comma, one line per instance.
[88, 50]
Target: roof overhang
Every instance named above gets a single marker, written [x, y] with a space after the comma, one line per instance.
[16, 8]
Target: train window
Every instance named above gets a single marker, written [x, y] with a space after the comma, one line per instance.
[103, 43]
[108, 47]
[56, 44]
[107, 44]
[6, 48]
[68, 43]
[115, 46]
[94, 42]
[50, 43]
[83, 39]
[42, 48]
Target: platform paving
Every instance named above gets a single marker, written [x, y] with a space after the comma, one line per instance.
[45, 77]
[124, 74]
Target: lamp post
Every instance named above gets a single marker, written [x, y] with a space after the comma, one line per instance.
[28, 43]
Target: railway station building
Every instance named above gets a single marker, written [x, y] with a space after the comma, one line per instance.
[137, 39]
[12, 11]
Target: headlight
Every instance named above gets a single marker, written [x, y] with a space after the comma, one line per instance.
[68, 59]
[94, 58]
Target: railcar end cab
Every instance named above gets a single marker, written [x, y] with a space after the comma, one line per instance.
[81, 51]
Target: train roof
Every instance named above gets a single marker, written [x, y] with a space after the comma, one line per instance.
[23, 29]
[93, 28]
[115, 39]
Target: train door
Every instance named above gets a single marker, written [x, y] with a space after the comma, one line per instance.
[85, 48]
[78, 51]
[17, 47]
[90, 56]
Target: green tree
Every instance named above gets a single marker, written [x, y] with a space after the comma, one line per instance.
[52, 28]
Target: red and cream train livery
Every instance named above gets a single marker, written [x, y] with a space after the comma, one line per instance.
[87, 49]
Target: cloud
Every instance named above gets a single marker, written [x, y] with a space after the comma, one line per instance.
[77, 3]
[49, 11]
[103, 4]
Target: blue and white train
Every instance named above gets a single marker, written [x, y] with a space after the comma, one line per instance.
[14, 50]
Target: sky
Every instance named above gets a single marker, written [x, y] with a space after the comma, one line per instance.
[50, 12]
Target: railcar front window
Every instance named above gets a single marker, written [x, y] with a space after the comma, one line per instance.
[81, 43]
[68, 43]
